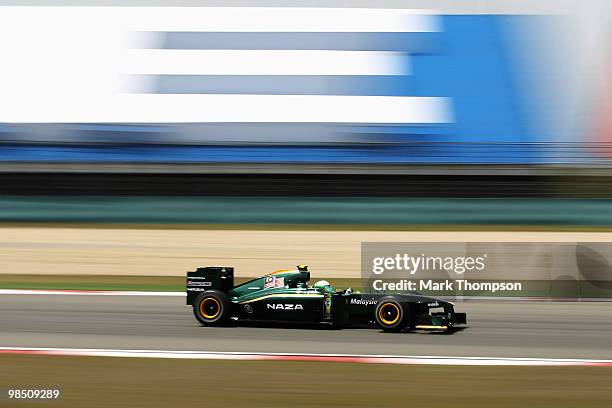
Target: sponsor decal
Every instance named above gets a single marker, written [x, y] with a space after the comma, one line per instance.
[328, 304]
[274, 282]
[190, 283]
[248, 308]
[433, 304]
[196, 289]
[269, 283]
[364, 302]
[284, 306]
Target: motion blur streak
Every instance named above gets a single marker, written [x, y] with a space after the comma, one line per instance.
[424, 103]
[444, 102]
[265, 62]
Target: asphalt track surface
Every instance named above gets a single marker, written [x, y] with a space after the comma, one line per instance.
[497, 329]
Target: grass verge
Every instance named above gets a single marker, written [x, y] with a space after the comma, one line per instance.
[104, 382]
[118, 282]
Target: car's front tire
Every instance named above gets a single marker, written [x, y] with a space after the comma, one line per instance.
[212, 308]
[391, 315]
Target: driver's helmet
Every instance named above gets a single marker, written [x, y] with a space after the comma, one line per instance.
[324, 286]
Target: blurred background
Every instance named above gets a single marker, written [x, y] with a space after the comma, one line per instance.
[355, 116]
[395, 115]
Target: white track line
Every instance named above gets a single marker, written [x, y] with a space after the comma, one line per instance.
[339, 358]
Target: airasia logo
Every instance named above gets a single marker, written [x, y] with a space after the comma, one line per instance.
[284, 306]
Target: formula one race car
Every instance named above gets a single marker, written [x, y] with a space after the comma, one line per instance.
[284, 297]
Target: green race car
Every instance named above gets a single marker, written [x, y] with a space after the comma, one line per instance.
[284, 297]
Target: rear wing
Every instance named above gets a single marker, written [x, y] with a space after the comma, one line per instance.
[211, 277]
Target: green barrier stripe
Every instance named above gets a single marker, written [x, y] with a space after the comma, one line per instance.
[295, 210]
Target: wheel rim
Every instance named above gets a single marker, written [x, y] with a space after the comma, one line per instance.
[389, 313]
[210, 308]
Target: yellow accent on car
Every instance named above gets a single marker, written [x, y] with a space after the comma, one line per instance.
[278, 271]
[382, 317]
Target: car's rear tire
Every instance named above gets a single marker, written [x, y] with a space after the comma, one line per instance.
[391, 315]
[212, 308]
